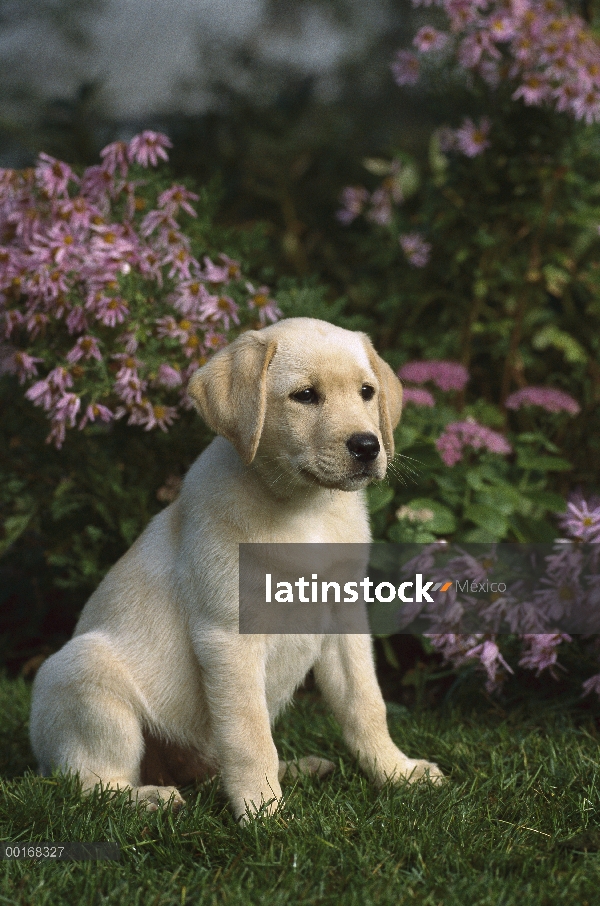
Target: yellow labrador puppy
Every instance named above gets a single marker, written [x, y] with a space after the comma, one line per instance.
[157, 686]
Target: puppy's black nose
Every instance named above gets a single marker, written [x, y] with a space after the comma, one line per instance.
[364, 447]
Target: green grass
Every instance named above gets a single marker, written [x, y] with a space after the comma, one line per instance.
[517, 823]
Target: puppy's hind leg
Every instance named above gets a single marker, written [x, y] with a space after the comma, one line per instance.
[86, 717]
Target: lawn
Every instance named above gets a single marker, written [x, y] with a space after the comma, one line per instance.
[517, 823]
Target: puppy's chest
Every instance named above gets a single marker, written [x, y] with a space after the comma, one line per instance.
[288, 660]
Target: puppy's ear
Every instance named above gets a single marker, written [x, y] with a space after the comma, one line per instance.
[390, 397]
[230, 391]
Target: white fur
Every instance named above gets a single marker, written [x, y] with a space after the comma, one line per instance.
[157, 652]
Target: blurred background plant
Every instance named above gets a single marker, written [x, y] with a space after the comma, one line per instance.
[466, 244]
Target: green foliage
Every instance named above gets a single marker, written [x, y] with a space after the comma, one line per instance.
[484, 497]
[516, 822]
[512, 288]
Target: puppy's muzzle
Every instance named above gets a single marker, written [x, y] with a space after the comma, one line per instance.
[364, 447]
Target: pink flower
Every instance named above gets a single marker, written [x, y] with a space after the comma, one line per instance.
[592, 685]
[145, 149]
[76, 320]
[492, 661]
[445, 375]
[163, 220]
[534, 89]
[458, 435]
[265, 307]
[95, 411]
[381, 207]
[53, 175]
[428, 39]
[25, 366]
[67, 408]
[541, 653]
[111, 311]
[415, 248]
[353, 199]
[582, 521]
[116, 157]
[159, 417]
[221, 308]
[41, 394]
[472, 139]
[417, 396]
[167, 376]
[85, 348]
[175, 198]
[546, 397]
[405, 68]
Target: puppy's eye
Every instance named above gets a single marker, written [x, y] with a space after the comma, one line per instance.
[367, 392]
[308, 396]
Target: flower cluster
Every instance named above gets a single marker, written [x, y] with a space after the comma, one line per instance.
[470, 139]
[445, 375]
[546, 397]
[569, 587]
[458, 435]
[415, 248]
[378, 205]
[548, 53]
[103, 292]
[566, 588]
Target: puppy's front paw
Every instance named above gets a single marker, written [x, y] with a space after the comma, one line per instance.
[252, 811]
[149, 797]
[414, 770]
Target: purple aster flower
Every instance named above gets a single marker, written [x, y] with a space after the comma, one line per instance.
[167, 376]
[25, 366]
[115, 157]
[415, 248]
[265, 307]
[428, 39]
[53, 175]
[85, 348]
[96, 411]
[353, 199]
[592, 685]
[492, 661]
[445, 375]
[147, 147]
[546, 397]
[406, 68]
[472, 139]
[67, 408]
[177, 197]
[541, 651]
[582, 521]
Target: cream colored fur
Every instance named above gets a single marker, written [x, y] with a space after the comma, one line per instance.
[157, 658]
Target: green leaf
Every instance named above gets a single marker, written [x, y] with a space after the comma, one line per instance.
[14, 527]
[532, 530]
[487, 518]
[405, 437]
[378, 496]
[550, 335]
[502, 498]
[556, 279]
[533, 461]
[547, 500]
[441, 521]
[405, 533]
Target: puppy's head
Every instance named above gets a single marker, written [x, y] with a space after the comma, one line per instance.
[306, 399]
